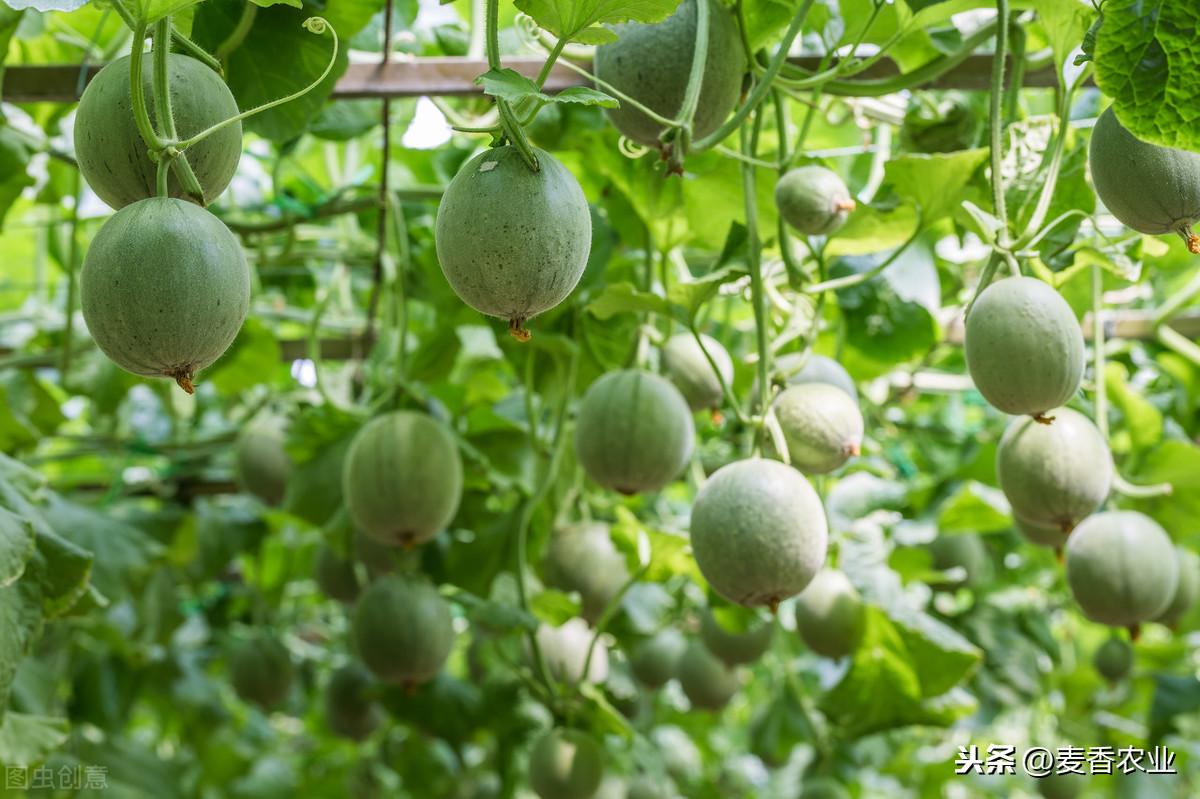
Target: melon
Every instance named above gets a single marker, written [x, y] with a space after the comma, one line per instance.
[1152, 189]
[582, 558]
[652, 64]
[1054, 475]
[402, 630]
[800, 367]
[263, 465]
[813, 200]
[1122, 568]
[350, 709]
[164, 289]
[821, 424]
[688, 368]
[1024, 347]
[402, 479]
[654, 660]
[830, 615]
[1186, 592]
[1043, 535]
[513, 242]
[113, 157]
[706, 680]
[261, 670]
[565, 650]
[963, 557]
[1114, 659]
[335, 575]
[758, 532]
[566, 764]
[736, 635]
[634, 431]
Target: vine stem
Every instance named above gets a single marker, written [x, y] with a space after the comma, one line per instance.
[726, 389]
[1098, 354]
[1177, 300]
[385, 159]
[185, 44]
[624, 98]
[238, 34]
[508, 119]
[606, 615]
[160, 83]
[137, 91]
[997, 121]
[754, 264]
[862, 277]
[64, 364]
[691, 95]
[551, 60]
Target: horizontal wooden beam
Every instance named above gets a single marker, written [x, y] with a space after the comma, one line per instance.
[449, 76]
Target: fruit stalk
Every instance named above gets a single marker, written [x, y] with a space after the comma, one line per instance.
[161, 85]
[691, 96]
[753, 263]
[508, 120]
[137, 93]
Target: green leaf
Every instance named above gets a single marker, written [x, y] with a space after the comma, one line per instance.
[934, 182]
[65, 576]
[14, 158]
[1143, 422]
[123, 554]
[579, 20]
[20, 624]
[1065, 21]
[974, 508]
[27, 740]
[16, 546]
[508, 84]
[151, 11]
[626, 298]
[1177, 463]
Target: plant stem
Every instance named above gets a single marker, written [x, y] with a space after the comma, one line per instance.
[1127, 489]
[862, 277]
[1176, 301]
[185, 44]
[137, 91]
[691, 95]
[754, 265]
[606, 615]
[1182, 345]
[624, 98]
[508, 120]
[238, 34]
[997, 121]
[726, 389]
[1031, 233]
[1098, 355]
[160, 83]
[64, 363]
[782, 233]
[551, 59]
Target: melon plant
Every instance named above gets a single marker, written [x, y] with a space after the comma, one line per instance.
[758, 532]
[706, 680]
[513, 242]
[1152, 189]
[813, 200]
[1114, 659]
[821, 424]
[263, 465]
[350, 708]
[335, 575]
[690, 371]
[963, 557]
[564, 650]
[736, 635]
[1054, 475]
[634, 431]
[1043, 535]
[164, 289]
[655, 659]
[1121, 567]
[566, 764]
[260, 669]
[1024, 347]
[402, 478]
[830, 615]
[112, 155]
[582, 558]
[801, 367]
[652, 63]
[402, 629]
[1187, 591]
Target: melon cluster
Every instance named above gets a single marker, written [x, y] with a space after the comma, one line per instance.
[164, 286]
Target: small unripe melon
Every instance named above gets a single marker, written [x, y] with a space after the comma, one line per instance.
[402, 478]
[263, 465]
[1114, 659]
[335, 575]
[652, 63]
[813, 368]
[654, 660]
[1043, 535]
[1024, 347]
[758, 532]
[830, 615]
[1054, 475]
[261, 671]
[1151, 189]
[634, 431]
[566, 764]
[113, 157]
[582, 558]
[823, 788]
[814, 200]
[707, 682]
[565, 652]
[513, 242]
[735, 635]
[821, 424]
[1121, 567]
[402, 630]
[691, 372]
[963, 556]
[164, 289]
[350, 709]
[1187, 591]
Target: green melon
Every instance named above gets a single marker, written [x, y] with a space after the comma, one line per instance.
[830, 615]
[113, 158]
[564, 650]
[1186, 592]
[654, 660]
[164, 289]
[813, 200]
[634, 431]
[758, 532]
[736, 635]
[821, 424]
[691, 372]
[566, 764]
[261, 670]
[263, 465]
[403, 477]
[1122, 568]
[823, 788]
[582, 558]
[1054, 475]
[350, 709]
[1114, 659]
[1023, 346]
[379, 558]
[652, 63]
[800, 367]
[335, 575]
[402, 630]
[513, 242]
[707, 682]
[963, 556]
[1044, 535]
[1152, 189]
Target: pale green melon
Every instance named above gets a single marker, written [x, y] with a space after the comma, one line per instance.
[261, 670]
[566, 764]
[690, 371]
[1122, 568]
[350, 709]
[335, 575]
[736, 635]
[1023, 346]
[263, 465]
[564, 650]
[582, 558]
[821, 424]
[654, 660]
[707, 682]
[963, 556]
[1186, 592]
[813, 200]
[402, 630]
[1044, 535]
[1114, 659]
[799, 367]
[830, 615]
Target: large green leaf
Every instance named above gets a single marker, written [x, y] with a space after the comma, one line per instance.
[27, 740]
[580, 20]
